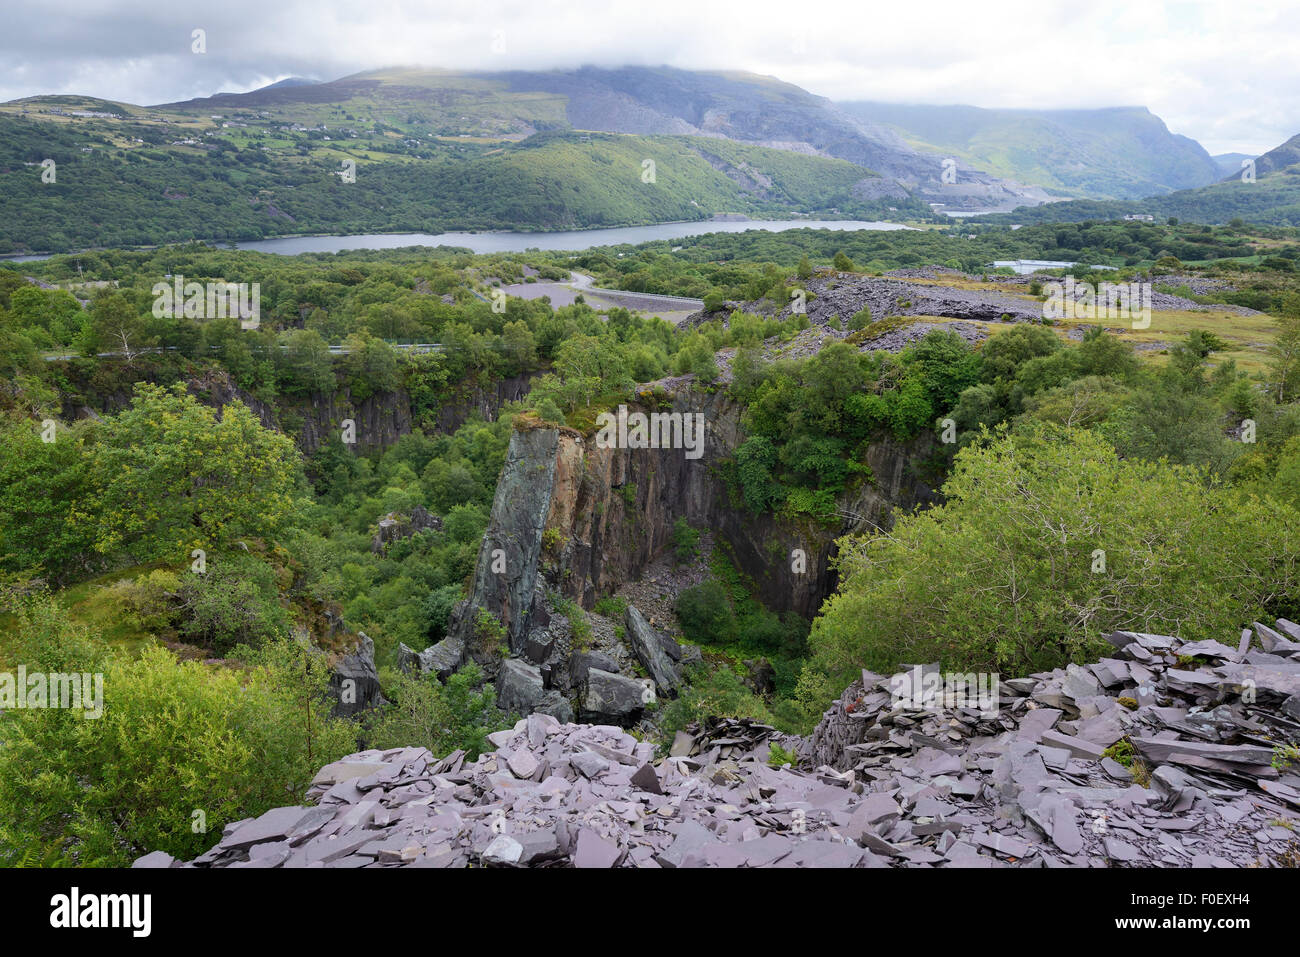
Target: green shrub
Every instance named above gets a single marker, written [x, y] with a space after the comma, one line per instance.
[611, 606]
[778, 756]
[860, 319]
[685, 541]
[1048, 540]
[181, 750]
[705, 613]
[711, 692]
[236, 601]
[437, 608]
[489, 635]
[424, 713]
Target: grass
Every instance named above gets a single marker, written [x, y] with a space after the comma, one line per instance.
[1248, 336]
[93, 604]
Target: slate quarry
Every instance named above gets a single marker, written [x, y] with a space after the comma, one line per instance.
[1205, 781]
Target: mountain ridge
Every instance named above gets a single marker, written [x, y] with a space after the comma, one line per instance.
[1120, 152]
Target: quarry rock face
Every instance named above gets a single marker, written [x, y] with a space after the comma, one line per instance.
[612, 511]
[1164, 755]
[574, 520]
[505, 574]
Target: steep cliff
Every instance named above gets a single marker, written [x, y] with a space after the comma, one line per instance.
[379, 420]
[595, 518]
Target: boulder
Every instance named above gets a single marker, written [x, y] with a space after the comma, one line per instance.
[612, 698]
[355, 681]
[394, 526]
[761, 676]
[444, 658]
[584, 661]
[519, 687]
[649, 647]
[542, 641]
[557, 706]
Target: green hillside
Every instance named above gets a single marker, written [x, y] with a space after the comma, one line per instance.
[137, 181]
[1119, 153]
[1273, 199]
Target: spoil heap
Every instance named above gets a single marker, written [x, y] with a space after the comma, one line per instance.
[1196, 727]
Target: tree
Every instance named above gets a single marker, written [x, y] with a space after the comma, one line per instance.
[168, 475]
[519, 346]
[1047, 540]
[41, 485]
[306, 366]
[1284, 353]
[116, 326]
[369, 367]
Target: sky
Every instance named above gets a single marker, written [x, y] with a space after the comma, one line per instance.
[1224, 73]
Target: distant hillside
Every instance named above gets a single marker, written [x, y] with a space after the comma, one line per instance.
[649, 101]
[111, 191]
[435, 150]
[290, 81]
[1117, 153]
[1280, 158]
[1230, 163]
[1272, 200]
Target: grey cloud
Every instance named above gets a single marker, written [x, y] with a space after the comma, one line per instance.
[1217, 71]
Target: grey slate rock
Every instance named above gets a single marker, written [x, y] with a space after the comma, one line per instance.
[874, 786]
[646, 779]
[583, 661]
[355, 680]
[648, 646]
[610, 697]
[519, 687]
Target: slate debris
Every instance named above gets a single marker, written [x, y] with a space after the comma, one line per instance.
[880, 785]
[1202, 719]
[547, 676]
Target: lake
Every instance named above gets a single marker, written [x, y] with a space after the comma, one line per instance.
[509, 241]
[516, 242]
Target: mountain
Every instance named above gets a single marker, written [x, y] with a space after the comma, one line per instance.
[1230, 163]
[426, 150]
[1282, 158]
[744, 107]
[1116, 153]
[289, 81]
[134, 182]
[1273, 199]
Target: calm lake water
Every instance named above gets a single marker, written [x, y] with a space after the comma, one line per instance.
[507, 241]
[575, 239]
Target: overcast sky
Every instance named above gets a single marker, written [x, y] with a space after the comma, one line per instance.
[1224, 72]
